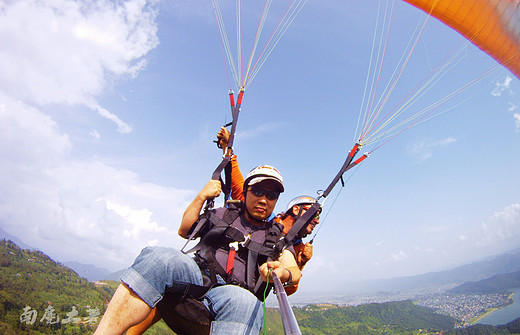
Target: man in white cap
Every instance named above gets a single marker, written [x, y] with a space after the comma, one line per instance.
[234, 251]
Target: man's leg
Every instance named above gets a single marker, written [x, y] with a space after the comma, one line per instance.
[144, 284]
[125, 309]
[236, 310]
[150, 320]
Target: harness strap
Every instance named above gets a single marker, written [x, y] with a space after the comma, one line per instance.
[301, 222]
[209, 220]
[271, 240]
[295, 232]
[225, 165]
[196, 291]
[231, 257]
[258, 248]
[218, 232]
[204, 219]
[235, 235]
[252, 258]
[259, 288]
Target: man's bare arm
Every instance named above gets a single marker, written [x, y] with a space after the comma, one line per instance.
[282, 267]
[211, 190]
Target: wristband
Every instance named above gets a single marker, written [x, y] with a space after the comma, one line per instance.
[289, 281]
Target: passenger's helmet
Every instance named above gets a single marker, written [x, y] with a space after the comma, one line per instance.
[261, 173]
[300, 201]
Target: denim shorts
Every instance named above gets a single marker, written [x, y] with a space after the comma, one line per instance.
[235, 309]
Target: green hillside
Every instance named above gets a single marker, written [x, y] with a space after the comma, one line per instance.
[402, 317]
[393, 318]
[40, 296]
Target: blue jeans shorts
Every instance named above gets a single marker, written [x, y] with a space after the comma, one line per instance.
[235, 309]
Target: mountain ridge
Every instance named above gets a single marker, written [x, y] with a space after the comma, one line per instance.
[486, 267]
[496, 284]
[506, 262]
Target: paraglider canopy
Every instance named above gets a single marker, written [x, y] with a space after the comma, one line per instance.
[492, 25]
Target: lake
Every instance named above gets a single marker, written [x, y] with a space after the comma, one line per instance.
[506, 314]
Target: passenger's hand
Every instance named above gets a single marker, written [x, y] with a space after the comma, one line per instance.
[211, 190]
[305, 255]
[223, 137]
[277, 267]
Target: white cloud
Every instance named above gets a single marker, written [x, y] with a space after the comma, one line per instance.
[122, 127]
[516, 116]
[57, 208]
[138, 219]
[51, 201]
[95, 134]
[399, 256]
[506, 87]
[502, 228]
[424, 150]
[66, 51]
[261, 129]
[27, 137]
[502, 87]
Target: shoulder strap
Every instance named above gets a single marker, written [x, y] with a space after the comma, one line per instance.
[204, 219]
[273, 235]
[209, 220]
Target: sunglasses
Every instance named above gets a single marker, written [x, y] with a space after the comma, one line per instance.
[258, 192]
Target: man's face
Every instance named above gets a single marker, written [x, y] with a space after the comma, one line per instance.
[315, 221]
[260, 207]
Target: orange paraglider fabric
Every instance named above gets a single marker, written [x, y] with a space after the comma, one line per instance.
[492, 25]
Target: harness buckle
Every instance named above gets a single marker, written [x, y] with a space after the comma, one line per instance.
[244, 243]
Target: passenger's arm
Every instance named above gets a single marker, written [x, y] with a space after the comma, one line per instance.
[304, 255]
[291, 289]
[237, 179]
[211, 190]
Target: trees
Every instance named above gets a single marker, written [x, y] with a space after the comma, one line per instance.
[48, 293]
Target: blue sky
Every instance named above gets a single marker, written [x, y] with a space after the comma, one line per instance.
[108, 112]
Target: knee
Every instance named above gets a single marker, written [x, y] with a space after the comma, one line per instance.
[159, 255]
[167, 265]
[236, 311]
[241, 300]
[154, 260]
[235, 303]
[153, 252]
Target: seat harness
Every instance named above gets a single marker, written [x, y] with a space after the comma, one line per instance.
[218, 230]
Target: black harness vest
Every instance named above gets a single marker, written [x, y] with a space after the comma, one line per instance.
[184, 312]
[218, 229]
